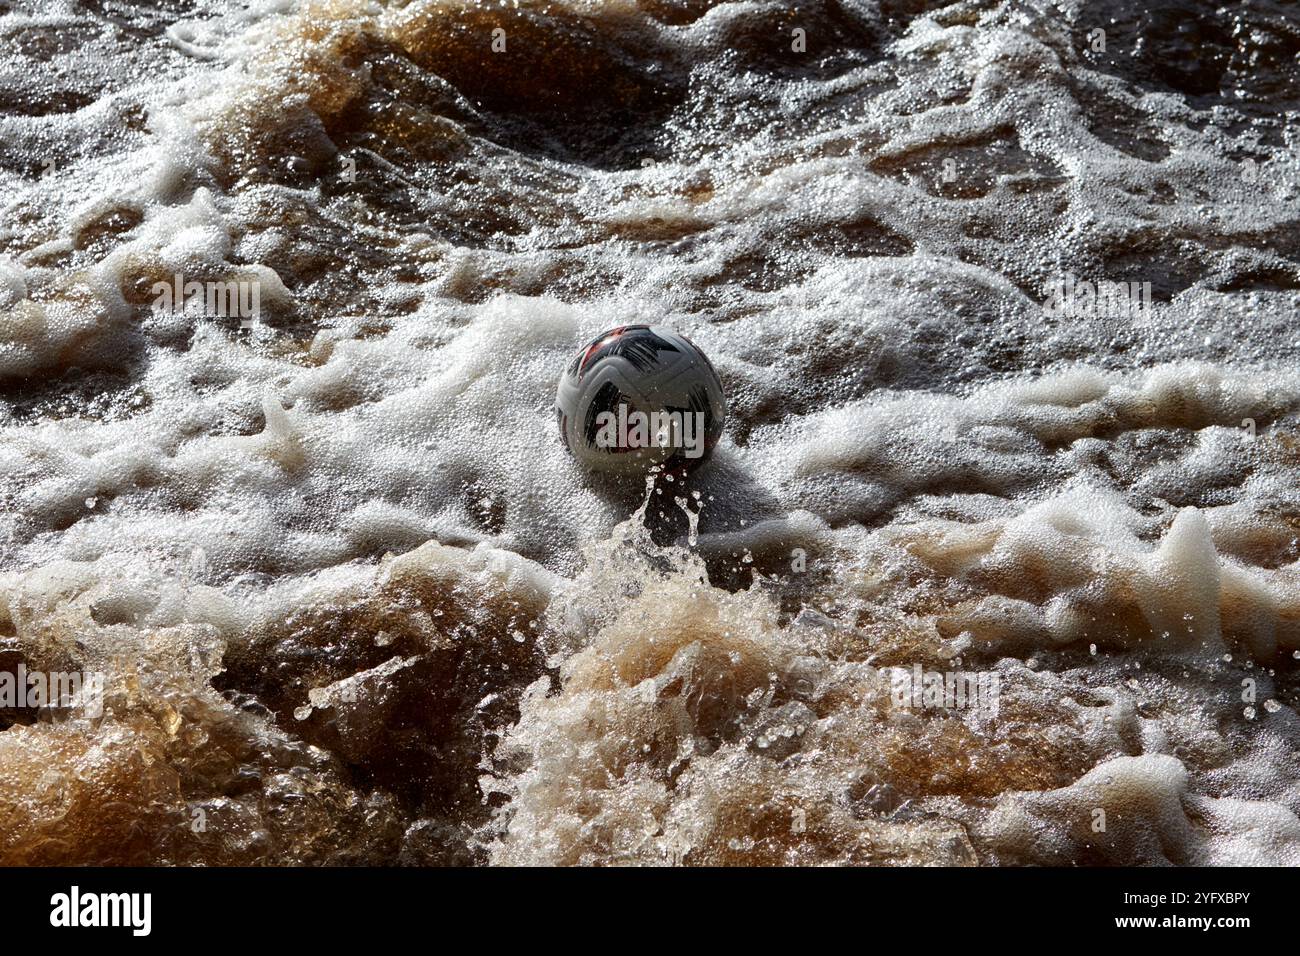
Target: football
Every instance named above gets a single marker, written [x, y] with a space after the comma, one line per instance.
[639, 396]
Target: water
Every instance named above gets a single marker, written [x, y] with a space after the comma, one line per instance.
[353, 602]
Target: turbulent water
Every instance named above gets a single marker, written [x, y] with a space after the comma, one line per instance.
[353, 602]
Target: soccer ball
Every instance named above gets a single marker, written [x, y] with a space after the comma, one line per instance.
[639, 396]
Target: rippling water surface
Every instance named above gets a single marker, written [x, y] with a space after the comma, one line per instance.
[353, 602]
